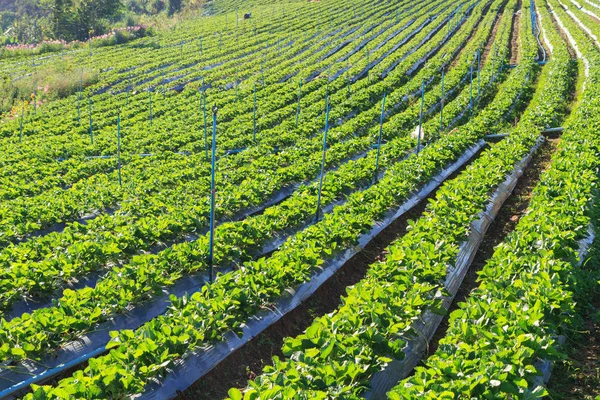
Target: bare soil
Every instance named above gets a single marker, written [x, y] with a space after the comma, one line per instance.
[578, 377]
[490, 43]
[505, 222]
[515, 55]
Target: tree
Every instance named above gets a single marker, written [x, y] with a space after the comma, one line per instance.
[174, 6]
[62, 19]
[92, 16]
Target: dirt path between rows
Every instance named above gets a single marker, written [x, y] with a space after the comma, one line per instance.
[515, 53]
[505, 222]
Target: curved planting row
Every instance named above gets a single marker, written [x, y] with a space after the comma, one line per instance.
[525, 300]
[341, 225]
[242, 240]
[340, 352]
[65, 205]
[108, 240]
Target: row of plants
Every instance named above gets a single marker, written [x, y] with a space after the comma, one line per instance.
[235, 242]
[237, 295]
[525, 299]
[36, 267]
[75, 209]
[60, 122]
[339, 353]
[154, 177]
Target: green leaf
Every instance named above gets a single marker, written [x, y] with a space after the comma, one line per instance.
[235, 394]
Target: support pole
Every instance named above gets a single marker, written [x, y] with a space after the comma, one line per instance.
[299, 96]
[91, 120]
[119, 148]
[212, 197]
[21, 123]
[205, 126]
[79, 98]
[322, 162]
[128, 88]
[478, 74]
[442, 100]
[34, 98]
[379, 139]
[254, 116]
[421, 116]
[471, 90]
[150, 96]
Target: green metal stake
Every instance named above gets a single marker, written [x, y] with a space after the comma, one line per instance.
[379, 139]
[322, 163]
[299, 95]
[91, 120]
[119, 148]
[254, 117]
[421, 117]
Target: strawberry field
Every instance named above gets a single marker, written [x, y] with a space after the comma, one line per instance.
[307, 200]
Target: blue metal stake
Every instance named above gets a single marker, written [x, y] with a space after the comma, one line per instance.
[471, 91]
[91, 130]
[254, 117]
[205, 127]
[379, 139]
[299, 95]
[150, 96]
[128, 88]
[442, 100]
[236, 85]
[79, 98]
[322, 163]
[478, 73]
[119, 148]
[21, 123]
[212, 197]
[493, 64]
[421, 117]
